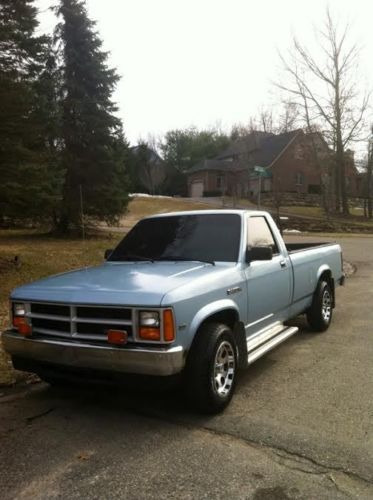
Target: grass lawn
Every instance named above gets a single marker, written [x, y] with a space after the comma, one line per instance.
[140, 207]
[310, 211]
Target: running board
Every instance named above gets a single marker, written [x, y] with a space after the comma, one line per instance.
[267, 339]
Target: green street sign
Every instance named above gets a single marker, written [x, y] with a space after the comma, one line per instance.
[262, 172]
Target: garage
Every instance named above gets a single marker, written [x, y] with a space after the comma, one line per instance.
[196, 189]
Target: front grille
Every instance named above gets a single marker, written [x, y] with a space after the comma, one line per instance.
[104, 313]
[79, 322]
[50, 324]
[52, 309]
[100, 329]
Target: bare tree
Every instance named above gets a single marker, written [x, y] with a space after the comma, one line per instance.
[266, 120]
[326, 87]
[288, 117]
[369, 178]
[275, 119]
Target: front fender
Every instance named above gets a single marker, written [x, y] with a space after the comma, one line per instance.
[209, 310]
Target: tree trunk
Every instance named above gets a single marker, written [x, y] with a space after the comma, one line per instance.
[369, 181]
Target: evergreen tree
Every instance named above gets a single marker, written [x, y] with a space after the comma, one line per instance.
[27, 189]
[94, 148]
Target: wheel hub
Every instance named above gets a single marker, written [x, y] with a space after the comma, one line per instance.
[326, 308]
[224, 369]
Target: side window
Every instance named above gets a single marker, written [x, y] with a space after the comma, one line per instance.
[259, 234]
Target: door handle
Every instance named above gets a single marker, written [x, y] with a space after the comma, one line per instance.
[283, 263]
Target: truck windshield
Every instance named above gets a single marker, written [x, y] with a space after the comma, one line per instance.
[205, 237]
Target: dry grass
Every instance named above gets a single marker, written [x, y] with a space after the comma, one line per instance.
[139, 207]
[306, 211]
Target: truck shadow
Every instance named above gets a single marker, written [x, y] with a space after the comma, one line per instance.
[154, 400]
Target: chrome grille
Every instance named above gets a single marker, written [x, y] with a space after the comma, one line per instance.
[80, 322]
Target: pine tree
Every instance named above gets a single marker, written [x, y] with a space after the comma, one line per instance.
[26, 182]
[94, 149]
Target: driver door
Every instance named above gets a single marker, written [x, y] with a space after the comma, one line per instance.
[268, 282]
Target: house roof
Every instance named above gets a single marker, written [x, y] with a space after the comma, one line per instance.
[261, 148]
[152, 155]
[272, 147]
[251, 142]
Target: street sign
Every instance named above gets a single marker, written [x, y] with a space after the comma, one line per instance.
[262, 171]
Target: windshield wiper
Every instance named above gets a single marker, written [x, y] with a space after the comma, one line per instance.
[177, 258]
[134, 256]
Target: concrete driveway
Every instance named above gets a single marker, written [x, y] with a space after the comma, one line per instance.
[299, 426]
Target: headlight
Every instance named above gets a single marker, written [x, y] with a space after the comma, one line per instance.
[149, 325]
[149, 319]
[20, 321]
[19, 309]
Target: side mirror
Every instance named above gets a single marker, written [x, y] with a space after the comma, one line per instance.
[258, 253]
[107, 253]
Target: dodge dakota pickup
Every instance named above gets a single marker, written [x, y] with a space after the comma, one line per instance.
[197, 294]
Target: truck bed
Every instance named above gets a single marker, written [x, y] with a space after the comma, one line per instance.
[296, 247]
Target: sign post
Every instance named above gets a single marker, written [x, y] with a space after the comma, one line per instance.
[261, 172]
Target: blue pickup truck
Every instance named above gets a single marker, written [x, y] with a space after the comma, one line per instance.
[196, 294]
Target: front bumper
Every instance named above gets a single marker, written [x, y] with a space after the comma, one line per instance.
[161, 361]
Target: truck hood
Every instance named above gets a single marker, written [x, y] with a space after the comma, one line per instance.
[117, 283]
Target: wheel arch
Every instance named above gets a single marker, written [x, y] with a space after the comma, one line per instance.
[325, 274]
[225, 312]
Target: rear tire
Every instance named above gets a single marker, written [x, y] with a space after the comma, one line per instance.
[319, 315]
[211, 369]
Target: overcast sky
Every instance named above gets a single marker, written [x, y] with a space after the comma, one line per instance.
[202, 62]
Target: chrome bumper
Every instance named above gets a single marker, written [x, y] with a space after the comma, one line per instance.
[146, 361]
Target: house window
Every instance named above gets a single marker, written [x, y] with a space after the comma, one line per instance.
[299, 179]
[219, 181]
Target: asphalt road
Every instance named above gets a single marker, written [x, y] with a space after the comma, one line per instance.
[299, 426]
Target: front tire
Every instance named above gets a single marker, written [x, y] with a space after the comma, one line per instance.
[212, 368]
[319, 315]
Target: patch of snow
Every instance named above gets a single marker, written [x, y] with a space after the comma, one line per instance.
[294, 231]
[146, 195]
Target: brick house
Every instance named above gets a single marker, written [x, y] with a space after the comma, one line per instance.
[294, 162]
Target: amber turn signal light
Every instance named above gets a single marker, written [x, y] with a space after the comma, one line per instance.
[147, 333]
[168, 325]
[21, 324]
[118, 337]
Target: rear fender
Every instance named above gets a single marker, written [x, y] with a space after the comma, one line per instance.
[326, 271]
[323, 269]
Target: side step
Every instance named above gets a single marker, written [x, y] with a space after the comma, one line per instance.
[267, 339]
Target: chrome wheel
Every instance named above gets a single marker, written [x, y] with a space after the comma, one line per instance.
[224, 369]
[326, 307]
